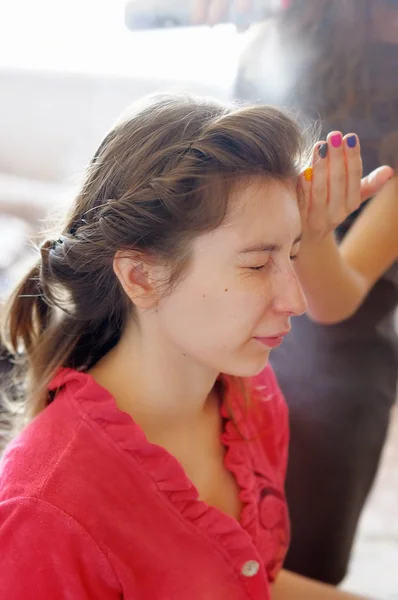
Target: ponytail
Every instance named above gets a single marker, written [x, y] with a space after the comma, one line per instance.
[42, 335]
[26, 314]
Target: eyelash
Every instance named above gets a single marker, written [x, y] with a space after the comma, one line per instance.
[292, 258]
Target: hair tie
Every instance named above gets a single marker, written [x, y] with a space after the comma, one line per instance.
[76, 226]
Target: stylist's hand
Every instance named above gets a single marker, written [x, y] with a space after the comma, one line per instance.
[216, 11]
[333, 187]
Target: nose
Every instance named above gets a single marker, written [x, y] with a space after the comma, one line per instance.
[289, 297]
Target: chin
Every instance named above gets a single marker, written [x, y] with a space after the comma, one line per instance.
[248, 367]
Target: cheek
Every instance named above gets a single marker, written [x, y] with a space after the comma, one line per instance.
[187, 308]
[254, 293]
[211, 309]
[251, 307]
[234, 311]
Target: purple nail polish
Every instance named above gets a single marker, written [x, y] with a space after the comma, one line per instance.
[352, 141]
[336, 140]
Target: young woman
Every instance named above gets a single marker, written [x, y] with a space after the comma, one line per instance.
[334, 60]
[154, 467]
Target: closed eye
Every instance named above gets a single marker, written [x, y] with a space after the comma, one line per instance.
[260, 267]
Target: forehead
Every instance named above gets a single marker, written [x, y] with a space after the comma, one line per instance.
[260, 212]
[264, 209]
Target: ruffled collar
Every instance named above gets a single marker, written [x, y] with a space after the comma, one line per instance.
[164, 469]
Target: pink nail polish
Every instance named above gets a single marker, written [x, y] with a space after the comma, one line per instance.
[336, 140]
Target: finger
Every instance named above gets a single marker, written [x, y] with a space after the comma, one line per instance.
[373, 183]
[337, 178]
[304, 184]
[200, 11]
[353, 162]
[319, 188]
[218, 11]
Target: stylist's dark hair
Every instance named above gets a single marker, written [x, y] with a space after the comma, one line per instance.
[161, 177]
[350, 81]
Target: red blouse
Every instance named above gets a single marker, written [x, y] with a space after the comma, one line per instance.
[89, 509]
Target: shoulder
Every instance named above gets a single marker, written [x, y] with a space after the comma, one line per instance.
[71, 454]
[37, 451]
[34, 453]
[61, 444]
[34, 532]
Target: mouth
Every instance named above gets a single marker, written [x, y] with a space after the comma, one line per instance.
[272, 341]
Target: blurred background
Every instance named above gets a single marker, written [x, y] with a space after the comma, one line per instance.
[67, 70]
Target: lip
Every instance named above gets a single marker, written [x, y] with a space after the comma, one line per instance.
[272, 341]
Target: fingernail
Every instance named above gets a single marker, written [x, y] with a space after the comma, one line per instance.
[308, 174]
[323, 150]
[352, 141]
[336, 140]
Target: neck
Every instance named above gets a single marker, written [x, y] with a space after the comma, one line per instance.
[154, 382]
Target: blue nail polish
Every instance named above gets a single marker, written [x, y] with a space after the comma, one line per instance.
[352, 141]
[323, 150]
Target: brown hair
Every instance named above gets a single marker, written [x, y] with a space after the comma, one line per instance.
[160, 177]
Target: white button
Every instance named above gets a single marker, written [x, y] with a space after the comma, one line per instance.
[250, 568]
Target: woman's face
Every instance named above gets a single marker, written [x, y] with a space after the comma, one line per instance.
[241, 288]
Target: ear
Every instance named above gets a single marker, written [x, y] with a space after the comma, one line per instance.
[137, 278]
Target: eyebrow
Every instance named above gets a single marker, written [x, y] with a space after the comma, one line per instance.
[268, 247]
